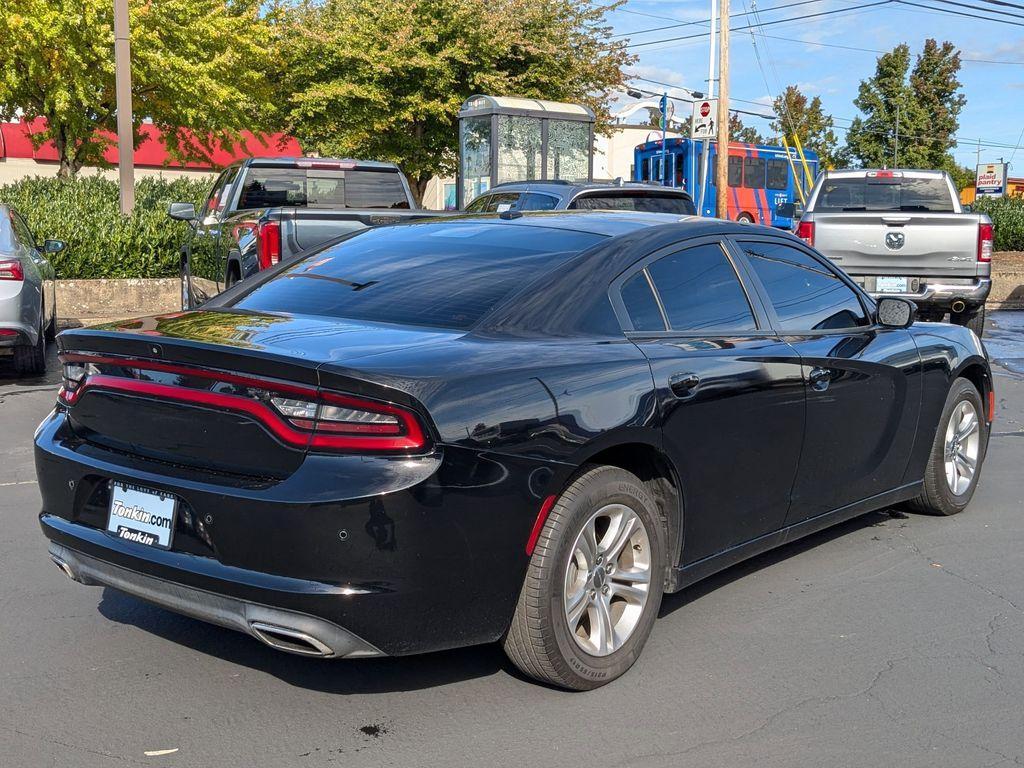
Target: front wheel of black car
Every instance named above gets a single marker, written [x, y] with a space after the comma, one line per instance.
[957, 453]
[973, 318]
[594, 583]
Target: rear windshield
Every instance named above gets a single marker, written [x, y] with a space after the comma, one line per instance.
[442, 275]
[648, 202]
[885, 194]
[322, 188]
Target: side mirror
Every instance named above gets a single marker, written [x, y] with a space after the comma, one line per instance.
[967, 208]
[54, 246]
[894, 312]
[182, 211]
[789, 210]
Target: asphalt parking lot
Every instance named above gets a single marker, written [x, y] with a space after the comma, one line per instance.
[892, 640]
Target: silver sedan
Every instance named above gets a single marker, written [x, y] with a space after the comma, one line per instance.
[28, 302]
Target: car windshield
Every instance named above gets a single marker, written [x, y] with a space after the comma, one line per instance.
[885, 194]
[441, 274]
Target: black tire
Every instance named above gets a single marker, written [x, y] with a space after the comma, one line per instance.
[233, 277]
[973, 318]
[937, 498]
[31, 360]
[539, 641]
[51, 327]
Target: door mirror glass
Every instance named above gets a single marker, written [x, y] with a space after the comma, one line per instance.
[896, 313]
[182, 211]
[54, 246]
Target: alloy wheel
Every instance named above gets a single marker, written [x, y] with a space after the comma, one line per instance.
[962, 446]
[607, 580]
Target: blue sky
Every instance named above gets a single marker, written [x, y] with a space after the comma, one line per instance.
[994, 111]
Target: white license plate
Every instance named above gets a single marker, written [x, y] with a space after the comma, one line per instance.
[141, 515]
[891, 284]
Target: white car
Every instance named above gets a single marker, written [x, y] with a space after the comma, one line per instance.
[28, 302]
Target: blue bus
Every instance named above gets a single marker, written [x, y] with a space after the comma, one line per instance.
[760, 176]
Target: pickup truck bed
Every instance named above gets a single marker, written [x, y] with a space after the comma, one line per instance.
[904, 233]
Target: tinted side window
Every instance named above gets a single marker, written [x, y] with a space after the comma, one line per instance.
[648, 202]
[806, 294]
[700, 291]
[778, 174]
[753, 172]
[640, 303]
[537, 201]
[479, 204]
[22, 231]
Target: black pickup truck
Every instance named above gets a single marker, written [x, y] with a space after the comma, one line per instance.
[262, 211]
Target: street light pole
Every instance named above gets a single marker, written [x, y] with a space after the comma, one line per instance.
[664, 128]
[706, 149]
[123, 92]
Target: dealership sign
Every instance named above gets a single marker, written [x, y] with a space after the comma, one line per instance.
[990, 180]
[702, 125]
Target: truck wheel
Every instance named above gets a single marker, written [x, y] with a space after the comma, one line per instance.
[593, 585]
[958, 451]
[745, 218]
[973, 318]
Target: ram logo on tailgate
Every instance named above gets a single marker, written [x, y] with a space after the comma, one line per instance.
[894, 240]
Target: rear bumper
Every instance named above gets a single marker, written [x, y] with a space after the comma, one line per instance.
[284, 630]
[938, 294]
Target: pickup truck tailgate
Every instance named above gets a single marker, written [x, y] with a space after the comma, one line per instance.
[913, 244]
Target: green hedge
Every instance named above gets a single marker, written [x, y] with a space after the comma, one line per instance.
[1007, 214]
[85, 213]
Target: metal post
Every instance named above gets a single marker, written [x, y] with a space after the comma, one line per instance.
[706, 150]
[123, 89]
[896, 148]
[664, 127]
[722, 166]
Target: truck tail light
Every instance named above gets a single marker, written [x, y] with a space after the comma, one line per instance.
[805, 231]
[986, 233]
[11, 269]
[268, 243]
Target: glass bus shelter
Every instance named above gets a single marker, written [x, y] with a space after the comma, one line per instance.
[507, 138]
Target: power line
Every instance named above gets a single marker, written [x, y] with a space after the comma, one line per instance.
[705, 21]
[875, 50]
[959, 13]
[975, 8]
[770, 23]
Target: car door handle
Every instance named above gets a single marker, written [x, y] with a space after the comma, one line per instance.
[819, 379]
[684, 385]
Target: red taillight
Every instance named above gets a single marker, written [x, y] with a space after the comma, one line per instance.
[11, 269]
[268, 243]
[297, 415]
[986, 233]
[805, 231]
[7, 332]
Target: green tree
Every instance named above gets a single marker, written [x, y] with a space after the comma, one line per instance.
[909, 116]
[385, 78]
[196, 64]
[740, 132]
[796, 114]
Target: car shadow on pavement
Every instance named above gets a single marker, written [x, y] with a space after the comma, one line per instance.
[672, 603]
[368, 676]
[344, 677]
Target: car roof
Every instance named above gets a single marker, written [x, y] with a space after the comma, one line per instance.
[907, 173]
[292, 162]
[570, 189]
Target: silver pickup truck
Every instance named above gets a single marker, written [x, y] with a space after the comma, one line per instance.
[904, 233]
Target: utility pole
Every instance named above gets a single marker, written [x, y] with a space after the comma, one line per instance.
[664, 128]
[706, 150]
[896, 147]
[123, 89]
[722, 164]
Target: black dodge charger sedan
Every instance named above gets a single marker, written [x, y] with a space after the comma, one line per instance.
[521, 429]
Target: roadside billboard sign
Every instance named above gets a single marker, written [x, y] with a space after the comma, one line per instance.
[990, 180]
[702, 124]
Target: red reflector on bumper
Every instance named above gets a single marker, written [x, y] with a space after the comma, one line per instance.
[538, 524]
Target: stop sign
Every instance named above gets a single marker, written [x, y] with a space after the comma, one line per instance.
[705, 109]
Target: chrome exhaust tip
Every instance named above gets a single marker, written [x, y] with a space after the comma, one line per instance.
[958, 306]
[64, 567]
[289, 640]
